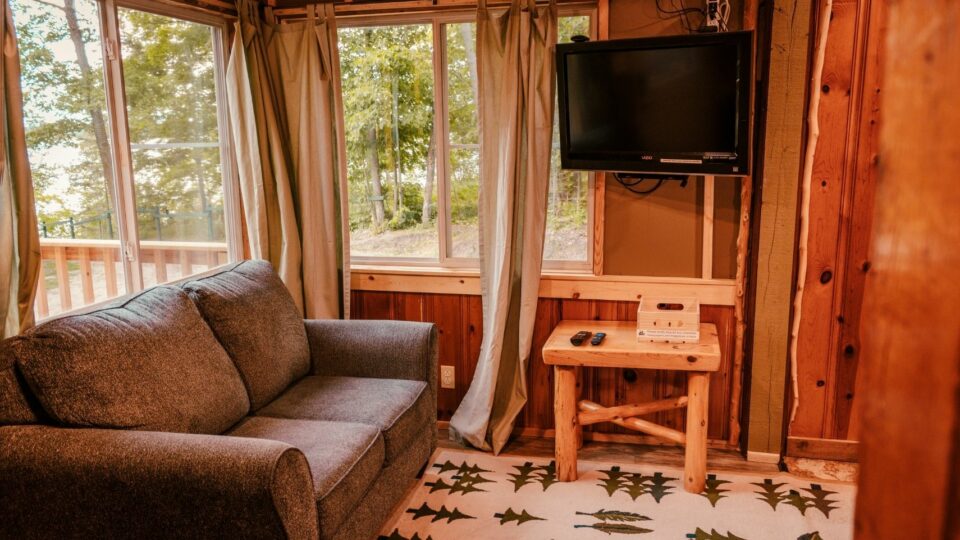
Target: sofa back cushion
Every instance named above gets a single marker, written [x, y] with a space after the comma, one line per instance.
[148, 362]
[254, 317]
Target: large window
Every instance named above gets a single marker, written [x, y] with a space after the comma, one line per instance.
[410, 93]
[126, 149]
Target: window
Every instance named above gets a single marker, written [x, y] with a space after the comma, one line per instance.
[568, 242]
[129, 173]
[410, 93]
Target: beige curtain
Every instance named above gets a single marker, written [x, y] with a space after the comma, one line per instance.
[283, 107]
[515, 53]
[19, 240]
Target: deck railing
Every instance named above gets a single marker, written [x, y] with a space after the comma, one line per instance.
[78, 272]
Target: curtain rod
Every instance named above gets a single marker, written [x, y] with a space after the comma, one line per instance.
[284, 10]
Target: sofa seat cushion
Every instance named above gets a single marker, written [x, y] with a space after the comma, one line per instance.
[147, 362]
[401, 409]
[253, 315]
[345, 459]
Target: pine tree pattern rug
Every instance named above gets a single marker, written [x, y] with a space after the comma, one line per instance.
[468, 495]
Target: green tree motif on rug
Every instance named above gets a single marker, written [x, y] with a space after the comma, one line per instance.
[395, 535]
[701, 534]
[636, 484]
[528, 473]
[819, 498]
[712, 491]
[509, 515]
[438, 515]
[464, 481]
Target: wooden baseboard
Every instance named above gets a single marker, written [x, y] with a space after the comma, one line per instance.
[763, 457]
[828, 449]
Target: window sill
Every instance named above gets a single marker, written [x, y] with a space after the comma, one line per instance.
[553, 284]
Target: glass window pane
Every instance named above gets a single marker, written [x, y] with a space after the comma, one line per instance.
[568, 201]
[464, 167]
[387, 79]
[68, 139]
[170, 78]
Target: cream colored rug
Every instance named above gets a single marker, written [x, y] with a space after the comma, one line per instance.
[466, 495]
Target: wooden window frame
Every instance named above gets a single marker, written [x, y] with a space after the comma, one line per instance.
[122, 184]
[445, 260]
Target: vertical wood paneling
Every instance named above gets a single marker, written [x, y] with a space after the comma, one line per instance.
[460, 323]
[841, 207]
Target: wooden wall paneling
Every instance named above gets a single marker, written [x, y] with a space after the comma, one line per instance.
[841, 208]
[829, 187]
[445, 311]
[910, 439]
[460, 324]
[471, 336]
[859, 231]
[538, 412]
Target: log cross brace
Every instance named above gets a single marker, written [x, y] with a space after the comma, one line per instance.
[626, 416]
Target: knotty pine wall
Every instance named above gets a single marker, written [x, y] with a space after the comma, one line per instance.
[840, 216]
[459, 318]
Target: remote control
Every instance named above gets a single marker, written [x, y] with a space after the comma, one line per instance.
[579, 338]
[597, 338]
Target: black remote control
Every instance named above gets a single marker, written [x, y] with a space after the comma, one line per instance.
[597, 338]
[579, 338]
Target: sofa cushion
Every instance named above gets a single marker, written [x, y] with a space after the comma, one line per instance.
[344, 459]
[147, 362]
[401, 409]
[255, 319]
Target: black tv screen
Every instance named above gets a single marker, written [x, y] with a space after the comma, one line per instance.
[675, 105]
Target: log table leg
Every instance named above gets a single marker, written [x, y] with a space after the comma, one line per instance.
[579, 375]
[695, 462]
[565, 417]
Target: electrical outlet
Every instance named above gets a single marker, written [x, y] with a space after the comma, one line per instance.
[447, 377]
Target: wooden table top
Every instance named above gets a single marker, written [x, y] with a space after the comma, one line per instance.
[621, 349]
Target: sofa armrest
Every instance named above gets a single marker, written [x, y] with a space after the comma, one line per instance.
[378, 349]
[86, 483]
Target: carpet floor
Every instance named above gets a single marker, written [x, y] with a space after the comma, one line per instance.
[466, 496]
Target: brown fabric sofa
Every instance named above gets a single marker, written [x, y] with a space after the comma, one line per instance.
[212, 410]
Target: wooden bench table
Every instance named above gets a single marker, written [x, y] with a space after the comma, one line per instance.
[620, 349]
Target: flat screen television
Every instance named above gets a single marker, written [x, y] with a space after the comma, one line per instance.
[665, 105]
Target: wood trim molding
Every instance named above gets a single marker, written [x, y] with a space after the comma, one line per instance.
[829, 449]
[719, 292]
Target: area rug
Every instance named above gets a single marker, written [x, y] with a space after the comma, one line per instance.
[466, 495]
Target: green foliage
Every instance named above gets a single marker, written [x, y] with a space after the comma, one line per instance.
[169, 81]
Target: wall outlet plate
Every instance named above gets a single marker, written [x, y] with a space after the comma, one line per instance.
[448, 377]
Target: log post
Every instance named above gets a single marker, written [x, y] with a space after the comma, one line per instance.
[565, 418]
[695, 459]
